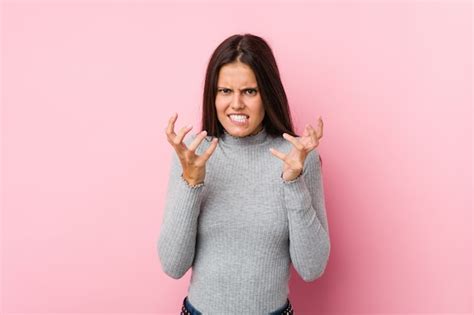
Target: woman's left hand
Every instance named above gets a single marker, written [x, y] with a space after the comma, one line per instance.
[294, 161]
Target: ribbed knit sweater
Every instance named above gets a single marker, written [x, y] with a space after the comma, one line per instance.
[241, 228]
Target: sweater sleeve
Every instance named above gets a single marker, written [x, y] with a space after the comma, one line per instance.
[308, 226]
[177, 239]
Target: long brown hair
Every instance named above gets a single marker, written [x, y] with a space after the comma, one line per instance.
[257, 54]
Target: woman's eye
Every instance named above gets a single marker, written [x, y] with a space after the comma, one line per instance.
[248, 91]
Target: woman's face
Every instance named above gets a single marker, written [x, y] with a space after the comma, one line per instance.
[238, 93]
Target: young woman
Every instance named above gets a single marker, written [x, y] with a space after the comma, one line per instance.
[240, 209]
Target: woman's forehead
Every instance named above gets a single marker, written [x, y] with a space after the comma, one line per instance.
[236, 75]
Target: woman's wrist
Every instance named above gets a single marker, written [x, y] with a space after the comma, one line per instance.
[291, 178]
[192, 183]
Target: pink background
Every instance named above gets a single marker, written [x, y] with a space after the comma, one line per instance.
[87, 89]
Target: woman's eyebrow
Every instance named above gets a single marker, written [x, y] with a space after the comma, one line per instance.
[222, 87]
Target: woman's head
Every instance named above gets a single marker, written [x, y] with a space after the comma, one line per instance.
[239, 105]
[242, 77]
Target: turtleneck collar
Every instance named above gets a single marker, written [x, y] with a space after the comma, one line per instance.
[257, 138]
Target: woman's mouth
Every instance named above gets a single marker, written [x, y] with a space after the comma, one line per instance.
[239, 120]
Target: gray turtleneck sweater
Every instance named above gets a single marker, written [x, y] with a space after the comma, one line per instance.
[242, 227]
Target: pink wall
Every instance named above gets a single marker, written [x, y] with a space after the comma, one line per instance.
[87, 91]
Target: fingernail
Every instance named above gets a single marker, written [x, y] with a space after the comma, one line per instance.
[189, 126]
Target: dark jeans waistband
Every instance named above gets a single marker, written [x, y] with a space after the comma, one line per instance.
[189, 309]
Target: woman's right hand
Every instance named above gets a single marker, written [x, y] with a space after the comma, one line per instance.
[194, 166]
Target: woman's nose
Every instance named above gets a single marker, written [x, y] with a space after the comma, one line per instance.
[237, 103]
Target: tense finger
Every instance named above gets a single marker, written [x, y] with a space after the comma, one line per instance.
[170, 127]
[294, 141]
[182, 132]
[193, 146]
[294, 164]
[278, 154]
[306, 131]
[313, 133]
[207, 154]
[320, 128]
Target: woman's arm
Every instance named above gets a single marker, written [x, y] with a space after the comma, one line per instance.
[308, 225]
[178, 231]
